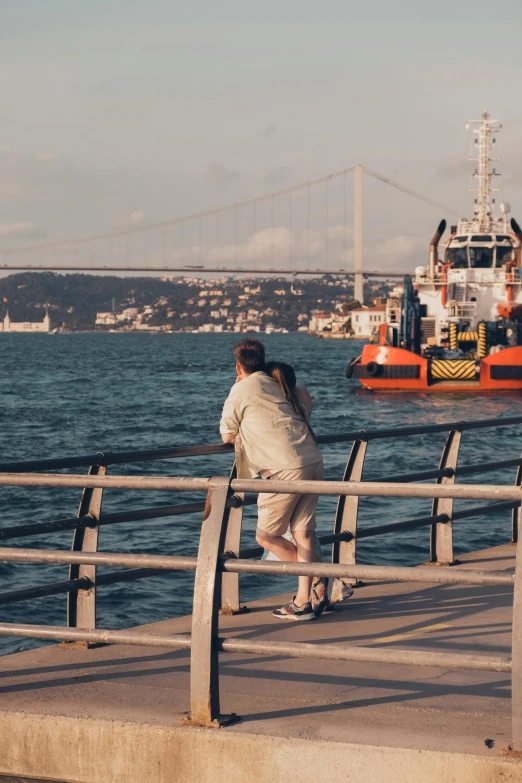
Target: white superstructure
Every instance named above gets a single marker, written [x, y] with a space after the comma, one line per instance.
[479, 270]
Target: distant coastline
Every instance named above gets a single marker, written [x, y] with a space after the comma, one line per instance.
[90, 303]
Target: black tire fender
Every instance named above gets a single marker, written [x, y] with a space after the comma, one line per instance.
[373, 369]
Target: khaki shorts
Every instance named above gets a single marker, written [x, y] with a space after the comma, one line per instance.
[279, 512]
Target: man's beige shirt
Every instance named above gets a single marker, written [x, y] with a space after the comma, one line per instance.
[269, 434]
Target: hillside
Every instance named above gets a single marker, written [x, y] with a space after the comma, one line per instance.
[74, 300]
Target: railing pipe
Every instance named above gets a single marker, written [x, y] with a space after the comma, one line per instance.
[394, 527]
[338, 652]
[160, 512]
[168, 562]
[516, 654]
[419, 476]
[295, 649]
[492, 508]
[343, 571]
[69, 586]
[376, 530]
[176, 641]
[108, 482]
[369, 489]
[204, 665]
[343, 551]
[173, 452]
[516, 519]
[230, 598]
[40, 591]
[423, 574]
[81, 604]
[441, 533]
[485, 467]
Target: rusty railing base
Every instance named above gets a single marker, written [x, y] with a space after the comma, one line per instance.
[80, 645]
[217, 723]
[228, 610]
[442, 563]
[508, 751]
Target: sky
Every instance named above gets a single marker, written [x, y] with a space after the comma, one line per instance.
[119, 113]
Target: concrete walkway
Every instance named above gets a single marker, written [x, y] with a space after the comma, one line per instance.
[112, 714]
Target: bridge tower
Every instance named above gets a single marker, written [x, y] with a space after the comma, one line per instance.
[358, 233]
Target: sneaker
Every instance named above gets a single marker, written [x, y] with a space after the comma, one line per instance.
[319, 595]
[293, 612]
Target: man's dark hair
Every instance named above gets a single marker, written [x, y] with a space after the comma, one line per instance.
[250, 354]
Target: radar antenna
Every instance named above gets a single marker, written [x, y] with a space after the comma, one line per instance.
[484, 131]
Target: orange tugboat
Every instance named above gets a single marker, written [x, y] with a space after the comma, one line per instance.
[456, 325]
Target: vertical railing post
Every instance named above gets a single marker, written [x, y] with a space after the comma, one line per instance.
[516, 662]
[516, 518]
[81, 605]
[348, 506]
[441, 533]
[204, 672]
[230, 598]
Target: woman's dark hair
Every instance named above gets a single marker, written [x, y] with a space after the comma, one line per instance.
[284, 374]
[250, 354]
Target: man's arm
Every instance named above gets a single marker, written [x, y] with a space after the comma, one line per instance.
[229, 424]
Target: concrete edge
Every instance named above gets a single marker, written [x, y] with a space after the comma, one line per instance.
[89, 750]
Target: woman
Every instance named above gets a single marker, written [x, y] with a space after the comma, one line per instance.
[296, 394]
[322, 594]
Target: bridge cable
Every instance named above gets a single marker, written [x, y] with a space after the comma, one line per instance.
[411, 192]
[174, 221]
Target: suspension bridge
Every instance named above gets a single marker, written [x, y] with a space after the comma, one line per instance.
[305, 229]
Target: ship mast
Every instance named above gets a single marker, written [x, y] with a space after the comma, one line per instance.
[483, 221]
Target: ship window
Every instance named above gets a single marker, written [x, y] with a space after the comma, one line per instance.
[461, 239]
[481, 257]
[458, 256]
[503, 238]
[482, 238]
[504, 254]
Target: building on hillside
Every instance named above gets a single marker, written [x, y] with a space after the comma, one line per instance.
[320, 322]
[25, 326]
[329, 323]
[105, 319]
[367, 320]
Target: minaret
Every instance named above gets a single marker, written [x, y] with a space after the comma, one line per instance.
[47, 321]
[483, 218]
[7, 322]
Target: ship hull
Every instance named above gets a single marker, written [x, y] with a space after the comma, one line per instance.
[384, 368]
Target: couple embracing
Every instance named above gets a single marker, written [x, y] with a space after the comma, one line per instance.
[267, 417]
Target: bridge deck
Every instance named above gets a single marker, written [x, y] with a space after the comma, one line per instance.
[352, 712]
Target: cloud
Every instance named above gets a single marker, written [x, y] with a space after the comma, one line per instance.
[44, 156]
[402, 252]
[267, 131]
[22, 229]
[278, 245]
[301, 249]
[279, 176]
[135, 218]
[454, 167]
[220, 174]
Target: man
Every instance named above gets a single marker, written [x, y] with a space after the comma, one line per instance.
[272, 441]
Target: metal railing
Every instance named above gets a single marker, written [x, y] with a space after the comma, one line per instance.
[221, 560]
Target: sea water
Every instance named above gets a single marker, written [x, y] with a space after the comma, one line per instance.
[70, 394]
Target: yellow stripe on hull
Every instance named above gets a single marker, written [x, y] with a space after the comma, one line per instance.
[453, 369]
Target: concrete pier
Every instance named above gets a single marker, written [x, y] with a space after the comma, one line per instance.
[112, 714]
